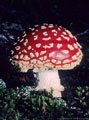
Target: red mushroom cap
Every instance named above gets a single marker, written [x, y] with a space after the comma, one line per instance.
[46, 47]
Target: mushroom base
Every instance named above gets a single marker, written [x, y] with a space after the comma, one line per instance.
[50, 81]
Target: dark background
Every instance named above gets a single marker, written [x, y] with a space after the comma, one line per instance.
[68, 13]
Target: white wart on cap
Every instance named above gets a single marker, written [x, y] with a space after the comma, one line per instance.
[46, 47]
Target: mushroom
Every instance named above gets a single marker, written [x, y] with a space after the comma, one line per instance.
[46, 49]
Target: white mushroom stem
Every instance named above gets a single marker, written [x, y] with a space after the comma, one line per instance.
[49, 80]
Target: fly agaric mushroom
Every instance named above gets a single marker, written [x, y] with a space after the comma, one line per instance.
[47, 49]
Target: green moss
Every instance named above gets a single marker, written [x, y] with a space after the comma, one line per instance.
[26, 103]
